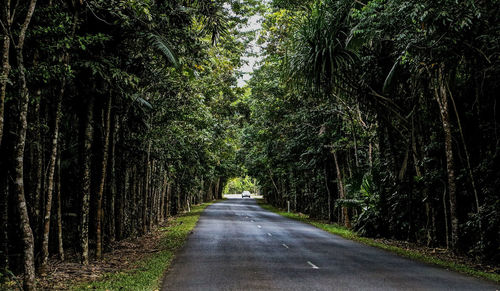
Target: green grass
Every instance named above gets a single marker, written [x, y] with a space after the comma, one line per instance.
[348, 234]
[147, 273]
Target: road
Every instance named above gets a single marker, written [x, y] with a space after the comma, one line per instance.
[237, 245]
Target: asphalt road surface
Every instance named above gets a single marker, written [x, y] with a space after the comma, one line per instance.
[239, 246]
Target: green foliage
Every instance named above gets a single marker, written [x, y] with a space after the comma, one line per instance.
[240, 184]
[359, 80]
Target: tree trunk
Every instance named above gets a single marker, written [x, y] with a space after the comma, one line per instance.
[37, 165]
[112, 182]
[4, 220]
[330, 208]
[178, 194]
[168, 204]
[5, 69]
[104, 165]
[26, 231]
[120, 181]
[85, 183]
[50, 180]
[218, 193]
[442, 100]
[163, 198]
[145, 199]
[60, 247]
[345, 214]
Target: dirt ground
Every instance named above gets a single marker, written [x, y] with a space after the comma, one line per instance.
[124, 254]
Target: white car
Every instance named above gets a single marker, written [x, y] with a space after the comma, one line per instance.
[245, 194]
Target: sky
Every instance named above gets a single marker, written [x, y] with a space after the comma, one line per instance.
[254, 23]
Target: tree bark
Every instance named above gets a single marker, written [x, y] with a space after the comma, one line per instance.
[330, 208]
[36, 157]
[163, 198]
[345, 214]
[85, 184]
[168, 203]
[218, 193]
[112, 181]
[26, 231]
[145, 192]
[120, 181]
[104, 165]
[5, 70]
[50, 180]
[442, 100]
[4, 219]
[60, 246]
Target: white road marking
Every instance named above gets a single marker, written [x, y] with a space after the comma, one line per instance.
[259, 226]
[285, 246]
[313, 265]
[269, 234]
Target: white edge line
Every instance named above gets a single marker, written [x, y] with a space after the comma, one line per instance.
[285, 246]
[313, 265]
[269, 234]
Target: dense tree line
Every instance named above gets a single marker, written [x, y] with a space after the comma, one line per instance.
[382, 116]
[114, 115]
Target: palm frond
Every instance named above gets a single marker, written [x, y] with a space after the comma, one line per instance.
[161, 44]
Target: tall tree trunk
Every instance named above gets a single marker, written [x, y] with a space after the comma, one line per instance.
[133, 204]
[37, 165]
[469, 167]
[35, 157]
[442, 100]
[145, 211]
[26, 231]
[178, 194]
[168, 203]
[104, 164]
[345, 214]
[163, 198]
[4, 220]
[5, 67]
[330, 208]
[112, 181]
[50, 179]
[120, 204]
[218, 193]
[4, 205]
[120, 181]
[60, 247]
[85, 183]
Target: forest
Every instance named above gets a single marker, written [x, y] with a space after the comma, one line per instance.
[115, 115]
[382, 116]
[377, 115]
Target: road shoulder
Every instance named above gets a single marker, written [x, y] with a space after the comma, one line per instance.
[447, 261]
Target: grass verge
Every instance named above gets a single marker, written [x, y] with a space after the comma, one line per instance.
[147, 273]
[348, 234]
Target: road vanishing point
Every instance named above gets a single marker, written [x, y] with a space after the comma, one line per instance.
[237, 245]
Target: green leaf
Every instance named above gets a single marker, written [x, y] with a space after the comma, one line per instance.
[161, 44]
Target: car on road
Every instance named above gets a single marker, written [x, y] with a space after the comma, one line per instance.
[245, 194]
